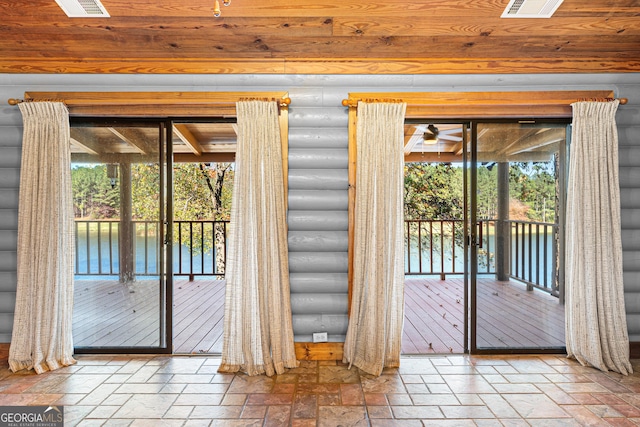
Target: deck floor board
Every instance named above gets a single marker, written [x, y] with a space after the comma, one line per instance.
[108, 314]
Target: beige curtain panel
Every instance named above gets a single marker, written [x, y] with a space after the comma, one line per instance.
[258, 332]
[41, 338]
[374, 334]
[596, 327]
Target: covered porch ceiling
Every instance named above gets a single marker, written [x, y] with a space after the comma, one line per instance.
[192, 142]
[497, 142]
[211, 141]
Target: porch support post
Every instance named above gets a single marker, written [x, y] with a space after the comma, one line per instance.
[502, 225]
[127, 268]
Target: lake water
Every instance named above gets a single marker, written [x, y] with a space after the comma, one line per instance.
[100, 257]
[454, 259]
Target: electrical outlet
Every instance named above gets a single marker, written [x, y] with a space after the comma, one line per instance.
[320, 337]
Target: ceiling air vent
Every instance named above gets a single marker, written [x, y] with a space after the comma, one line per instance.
[531, 8]
[83, 8]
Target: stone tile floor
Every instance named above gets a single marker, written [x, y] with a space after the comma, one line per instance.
[455, 390]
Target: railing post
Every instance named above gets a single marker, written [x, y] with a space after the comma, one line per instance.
[503, 228]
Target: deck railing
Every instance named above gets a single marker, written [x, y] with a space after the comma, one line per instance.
[534, 254]
[436, 247]
[199, 248]
[432, 247]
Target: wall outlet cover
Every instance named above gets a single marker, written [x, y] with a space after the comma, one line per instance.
[320, 337]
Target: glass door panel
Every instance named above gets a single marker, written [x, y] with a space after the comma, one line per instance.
[434, 233]
[118, 179]
[202, 193]
[517, 185]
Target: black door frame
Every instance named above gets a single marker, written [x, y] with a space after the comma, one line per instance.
[165, 160]
[473, 240]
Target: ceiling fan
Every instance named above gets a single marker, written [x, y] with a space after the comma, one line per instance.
[443, 131]
[430, 134]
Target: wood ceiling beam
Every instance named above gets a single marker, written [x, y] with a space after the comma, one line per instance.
[133, 158]
[539, 140]
[185, 135]
[412, 140]
[431, 157]
[505, 138]
[205, 157]
[521, 157]
[115, 158]
[88, 142]
[77, 144]
[137, 139]
[606, 63]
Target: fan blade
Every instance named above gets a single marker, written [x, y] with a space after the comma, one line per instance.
[450, 137]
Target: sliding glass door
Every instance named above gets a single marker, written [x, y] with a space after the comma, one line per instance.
[516, 182]
[120, 180]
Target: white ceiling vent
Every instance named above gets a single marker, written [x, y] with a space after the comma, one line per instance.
[531, 8]
[83, 8]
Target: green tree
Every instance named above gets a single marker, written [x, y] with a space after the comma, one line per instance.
[433, 191]
[203, 191]
[93, 196]
[487, 192]
[145, 185]
[534, 185]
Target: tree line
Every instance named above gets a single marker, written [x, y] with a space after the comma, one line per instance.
[203, 191]
[436, 191]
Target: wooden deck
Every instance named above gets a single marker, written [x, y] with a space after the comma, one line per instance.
[508, 316]
[107, 313]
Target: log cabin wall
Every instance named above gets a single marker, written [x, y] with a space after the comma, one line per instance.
[628, 121]
[318, 140]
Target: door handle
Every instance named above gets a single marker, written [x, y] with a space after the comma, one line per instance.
[478, 238]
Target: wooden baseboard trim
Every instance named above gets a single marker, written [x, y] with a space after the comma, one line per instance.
[634, 350]
[4, 354]
[319, 351]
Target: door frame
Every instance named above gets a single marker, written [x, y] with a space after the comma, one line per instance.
[165, 209]
[471, 168]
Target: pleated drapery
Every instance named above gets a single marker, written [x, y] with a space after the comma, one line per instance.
[596, 328]
[258, 331]
[42, 326]
[374, 334]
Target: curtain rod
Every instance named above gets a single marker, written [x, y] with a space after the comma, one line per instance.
[14, 101]
[623, 101]
[282, 102]
[354, 102]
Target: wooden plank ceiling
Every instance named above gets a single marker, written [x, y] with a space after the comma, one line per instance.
[216, 142]
[192, 142]
[312, 36]
[497, 142]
